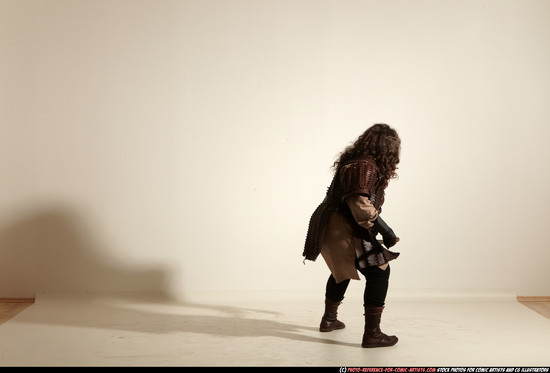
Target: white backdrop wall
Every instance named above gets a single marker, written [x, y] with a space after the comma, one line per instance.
[182, 145]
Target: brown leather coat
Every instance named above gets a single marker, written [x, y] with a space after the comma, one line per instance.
[341, 223]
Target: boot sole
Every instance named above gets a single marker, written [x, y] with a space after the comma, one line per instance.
[378, 345]
[325, 330]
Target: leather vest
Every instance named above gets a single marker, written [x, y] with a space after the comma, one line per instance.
[359, 176]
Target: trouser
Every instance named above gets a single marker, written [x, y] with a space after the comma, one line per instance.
[376, 286]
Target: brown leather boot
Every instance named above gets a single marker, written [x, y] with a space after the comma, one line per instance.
[329, 321]
[373, 336]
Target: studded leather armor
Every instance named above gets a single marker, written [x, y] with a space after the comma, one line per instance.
[359, 176]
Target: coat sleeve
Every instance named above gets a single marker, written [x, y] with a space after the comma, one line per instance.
[358, 177]
[362, 209]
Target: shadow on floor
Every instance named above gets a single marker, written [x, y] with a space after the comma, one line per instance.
[52, 250]
[140, 313]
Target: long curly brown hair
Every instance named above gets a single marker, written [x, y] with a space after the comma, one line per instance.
[382, 144]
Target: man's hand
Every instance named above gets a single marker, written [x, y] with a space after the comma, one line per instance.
[389, 237]
[390, 241]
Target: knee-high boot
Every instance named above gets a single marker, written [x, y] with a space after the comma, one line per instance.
[373, 336]
[329, 322]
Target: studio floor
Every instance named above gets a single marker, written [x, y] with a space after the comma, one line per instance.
[267, 329]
